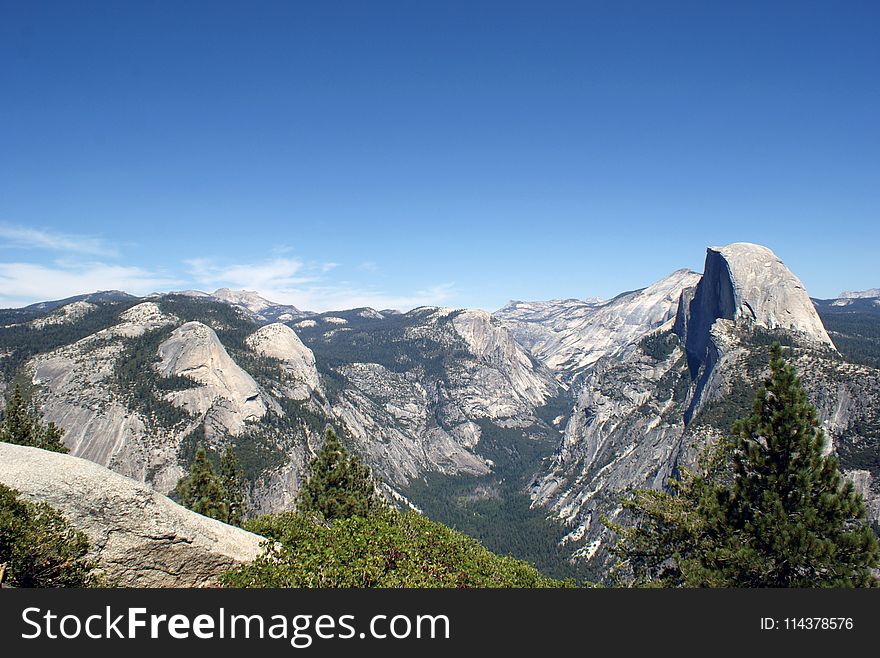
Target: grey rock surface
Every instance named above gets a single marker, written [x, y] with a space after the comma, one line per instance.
[138, 537]
[280, 342]
[193, 350]
[577, 335]
[631, 425]
[748, 284]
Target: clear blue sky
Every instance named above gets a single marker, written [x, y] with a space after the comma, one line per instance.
[331, 154]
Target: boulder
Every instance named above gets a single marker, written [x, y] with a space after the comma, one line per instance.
[139, 537]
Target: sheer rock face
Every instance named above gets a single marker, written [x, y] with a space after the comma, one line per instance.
[748, 284]
[535, 323]
[631, 425]
[628, 427]
[393, 418]
[138, 537]
[625, 431]
[228, 392]
[493, 346]
[278, 341]
[411, 420]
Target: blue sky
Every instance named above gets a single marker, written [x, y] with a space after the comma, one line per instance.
[337, 154]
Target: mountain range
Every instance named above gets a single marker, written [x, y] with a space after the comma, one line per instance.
[523, 427]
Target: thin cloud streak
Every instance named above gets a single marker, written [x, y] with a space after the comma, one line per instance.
[308, 286]
[23, 237]
[25, 283]
[291, 281]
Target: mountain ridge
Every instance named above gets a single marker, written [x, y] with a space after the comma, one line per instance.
[537, 415]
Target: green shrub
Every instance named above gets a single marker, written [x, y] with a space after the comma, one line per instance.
[40, 548]
[339, 485]
[387, 549]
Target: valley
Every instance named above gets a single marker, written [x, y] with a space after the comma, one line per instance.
[522, 428]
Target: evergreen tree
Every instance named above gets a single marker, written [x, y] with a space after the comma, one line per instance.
[338, 485]
[767, 510]
[39, 547]
[202, 490]
[22, 425]
[668, 539]
[803, 523]
[233, 483]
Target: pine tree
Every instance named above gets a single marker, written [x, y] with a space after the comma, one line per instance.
[22, 425]
[202, 490]
[338, 485]
[669, 541]
[767, 509]
[799, 522]
[233, 483]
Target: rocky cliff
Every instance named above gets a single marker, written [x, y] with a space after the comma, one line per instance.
[280, 342]
[747, 284]
[458, 409]
[579, 335]
[408, 391]
[413, 388]
[227, 393]
[138, 537]
[644, 412]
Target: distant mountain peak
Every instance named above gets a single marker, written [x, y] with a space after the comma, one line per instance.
[748, 284]
[570, 335]
[873, 293]
[250, 299]
[251, 302]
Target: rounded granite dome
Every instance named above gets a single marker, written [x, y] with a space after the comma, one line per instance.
[765, 292]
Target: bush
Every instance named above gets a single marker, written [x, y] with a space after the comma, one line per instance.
[387, 549]
[40, 548]
[339, 485]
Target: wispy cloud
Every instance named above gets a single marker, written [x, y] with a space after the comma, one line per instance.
[273, 274]
[307, 286]
[282, 278]
[25, 237]
[25, 283]
[340, 297]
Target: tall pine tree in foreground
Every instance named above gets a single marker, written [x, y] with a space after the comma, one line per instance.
[338, 485]
[767, 509]
[22, 425]
[804, 523]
